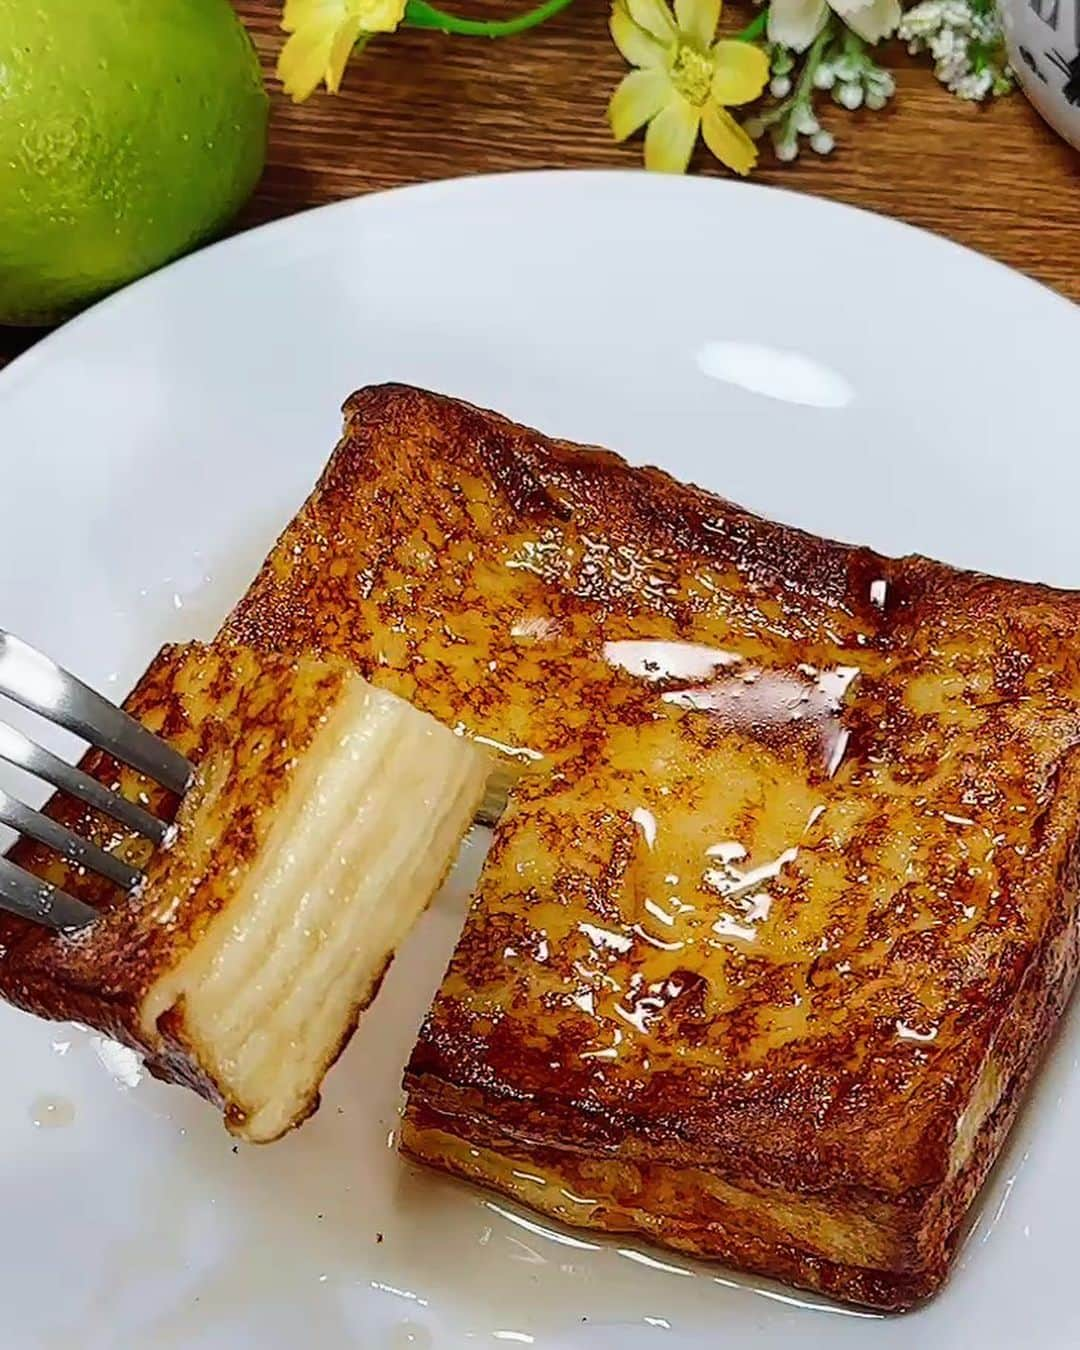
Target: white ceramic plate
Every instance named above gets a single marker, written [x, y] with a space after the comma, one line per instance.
[829, 368]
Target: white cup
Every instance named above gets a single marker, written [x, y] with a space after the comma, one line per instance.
[1043, 38]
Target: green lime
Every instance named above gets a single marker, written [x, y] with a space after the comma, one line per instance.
[130, 130]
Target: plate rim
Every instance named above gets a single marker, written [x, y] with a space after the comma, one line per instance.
[22, 366]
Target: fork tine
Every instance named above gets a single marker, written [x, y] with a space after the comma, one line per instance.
[30, 678]
[37, 900]
[17, 749]
[23, 818]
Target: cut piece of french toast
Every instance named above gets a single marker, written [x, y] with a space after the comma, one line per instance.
[324, 815]
[769, 942]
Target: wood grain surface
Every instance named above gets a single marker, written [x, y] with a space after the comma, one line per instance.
[420, 105]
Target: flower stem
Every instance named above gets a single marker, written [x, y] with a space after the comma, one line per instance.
[802, 94]
[755, 28]
[853, 46]
[419, 14]
[786, 121]
[813, 59]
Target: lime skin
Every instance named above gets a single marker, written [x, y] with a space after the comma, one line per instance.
[130, 131]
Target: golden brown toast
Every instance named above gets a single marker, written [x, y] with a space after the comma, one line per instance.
[770, 940]
[322, 820]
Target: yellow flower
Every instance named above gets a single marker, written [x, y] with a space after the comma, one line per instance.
[324, 33]
[684, 82]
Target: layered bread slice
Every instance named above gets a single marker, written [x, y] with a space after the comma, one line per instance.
[772, 936]
[324, 815]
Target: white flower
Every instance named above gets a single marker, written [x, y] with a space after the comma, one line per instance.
[974, 86]
[796, 23]
[964, 38]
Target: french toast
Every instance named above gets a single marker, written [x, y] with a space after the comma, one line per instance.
[323, 817]
[773, 933]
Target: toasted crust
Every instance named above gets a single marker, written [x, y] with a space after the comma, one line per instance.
[323, 817]
[786, 909]
[855, 1034]
[899, 1247]
[242, 719]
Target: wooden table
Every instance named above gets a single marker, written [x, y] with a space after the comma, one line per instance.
[420, 105]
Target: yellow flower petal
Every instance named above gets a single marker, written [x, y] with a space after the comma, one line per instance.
[655, 17]
[635, 44]
[377, 16]
[669, 141]
[727, 140]
[640, 95]
[740, 72]
[324, 35]
[796, 23]
[341, 49]
[308, 14]
[698, 19]
[302, 63]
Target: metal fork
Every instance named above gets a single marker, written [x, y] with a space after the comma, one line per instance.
[31, 679]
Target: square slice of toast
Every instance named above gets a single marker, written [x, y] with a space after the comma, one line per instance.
[780, 918]
[323, 817]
